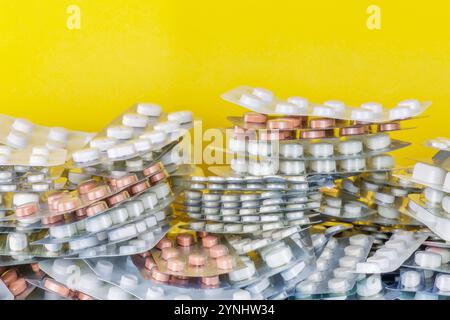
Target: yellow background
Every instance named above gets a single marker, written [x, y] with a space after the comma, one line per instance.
[184, 54]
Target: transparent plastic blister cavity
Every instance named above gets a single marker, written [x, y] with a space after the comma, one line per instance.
[435, 218]
[393, 253]
[411, 280]
[439, 143]
[432, 258]
[428, 175]
[263, 101]
[21, 133]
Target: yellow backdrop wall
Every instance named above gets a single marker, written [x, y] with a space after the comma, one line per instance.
[184, 54]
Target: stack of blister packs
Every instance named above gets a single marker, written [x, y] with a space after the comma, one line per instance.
[348, 241]
[309, 205]
[65, 230]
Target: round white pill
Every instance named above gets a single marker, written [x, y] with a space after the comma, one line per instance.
[86, 155]
[277, 258]
[294, 271]
[243, 273]
[58, 134]
[148, 109]
[443, 282]
[375, 107]
[63, 231]
[350, 147]
[321, 149]
[400, 113]
[287, 108]
[354, 251]
[389, 253]
[62, 266]
[37, 160]
[348, 262]
[306, 287]
[362, 115]
[134, 120]
[388, 213]
[354, 164]
[433, 195]
[382, 262]
[410, 279]
[17, 139]
[116, 293]
[17, 241]
[398, 245]
[122, 150]
[299, 102]
[259, 286]
[23, 125]
[167, 126]
[370, 286]
[119, 132]
[323, 166]
[128, 281]
[378, 141]
[263, 94]
[53, 247]
[412, 104]
[252, 101]
[156, 136]
[427, 259]
[443, 252]
[382, 162]
[180, 116]
[102, 144]
[336, 105]
[345, 273]
[385, 197]
[291, 150]
[338, 285]
[99, 223]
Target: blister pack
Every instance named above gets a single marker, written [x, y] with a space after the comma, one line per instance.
[393, 253]
[335, 265]
[21, 133]
[76, 276]
[432, 258]
[263, 101]
[142, 129]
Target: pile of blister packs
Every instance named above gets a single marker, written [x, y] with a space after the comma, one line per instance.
[310, 205]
